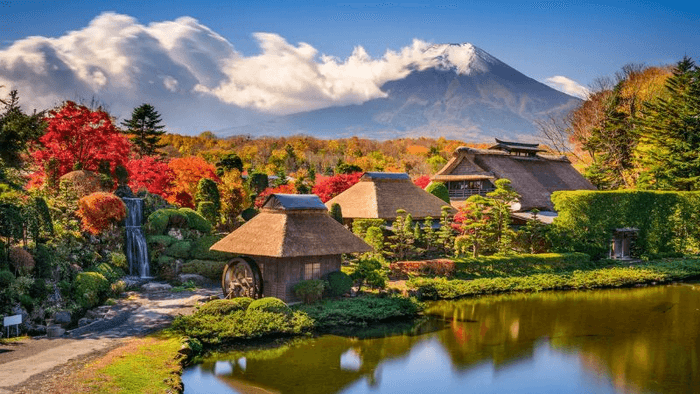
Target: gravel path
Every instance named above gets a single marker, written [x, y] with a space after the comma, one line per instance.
[27, 364]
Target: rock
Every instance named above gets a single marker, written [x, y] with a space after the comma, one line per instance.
[39, 329]
[176, 233]
[62, 318]
[153, 287]
[92, 314]
[197, 279]
[55, 332]
[84, 322]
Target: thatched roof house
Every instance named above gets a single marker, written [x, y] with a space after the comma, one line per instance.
[532, 174]
[378, 195]
[292, 239]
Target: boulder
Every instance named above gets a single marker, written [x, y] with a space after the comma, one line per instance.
[153, 287]
[55, 332]
[198, 280]
[84, 322]
[62, 318]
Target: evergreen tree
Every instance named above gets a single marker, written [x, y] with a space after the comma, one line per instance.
[502, 198]
[145, 129]
[670, 126]
[227, 163]
[17, 130]
[478, 226]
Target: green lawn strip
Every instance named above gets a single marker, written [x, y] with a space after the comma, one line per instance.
[618, 276]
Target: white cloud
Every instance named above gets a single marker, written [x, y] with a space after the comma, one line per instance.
[196, 78]
[568, 86]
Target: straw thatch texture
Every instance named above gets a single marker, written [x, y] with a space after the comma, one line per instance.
[534, 178]
[284, 228]
[379, 197]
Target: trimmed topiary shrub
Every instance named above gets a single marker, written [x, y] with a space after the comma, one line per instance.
[161, 240]
[249, 213]
[201, 245]
[180, 249]
[208, 210]
[6, 279]
[270, 304]
[157, 222]
[99, 211]
[336, 212]
[439, 190]
[224, 307]
[207, 268]
[310, 290]
[196, 221]
[90, 288]
[339, 283]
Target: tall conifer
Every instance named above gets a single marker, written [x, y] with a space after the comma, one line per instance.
[145, 129]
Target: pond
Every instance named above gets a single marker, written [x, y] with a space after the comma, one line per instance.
[599, 341]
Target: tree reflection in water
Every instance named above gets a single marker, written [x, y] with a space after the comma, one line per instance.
[621, 340]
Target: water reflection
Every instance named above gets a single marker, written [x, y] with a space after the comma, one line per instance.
[603, 341]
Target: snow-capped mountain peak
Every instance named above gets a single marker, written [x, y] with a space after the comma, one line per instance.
[463, 58]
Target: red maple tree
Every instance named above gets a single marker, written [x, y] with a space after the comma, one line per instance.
[150, 173]
[331, 187]
[80, 137]
[285, 189]
[422, 181]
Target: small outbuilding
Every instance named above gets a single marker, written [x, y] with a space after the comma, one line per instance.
[293, 238]
[378, 195]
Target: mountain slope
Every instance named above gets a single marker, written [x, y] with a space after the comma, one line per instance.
[459, 91]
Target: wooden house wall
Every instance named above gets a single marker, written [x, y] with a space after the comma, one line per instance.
[281, 274]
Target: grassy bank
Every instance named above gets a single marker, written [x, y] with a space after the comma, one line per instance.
[617, 275]
[143, 365]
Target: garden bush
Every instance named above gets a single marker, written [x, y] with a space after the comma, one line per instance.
[21, 260]
[310, 290]
[207, 268]
[157, 222]
[90, 288]
[6, 279]
[269, 304]
[207, 209]
[118, 260]
[225, 307]
[339, 283]
[180, 249]
[437, 267]
[201, 245]
[196, 221]
[109, 272]
[439, 190]
[522, 264]
[98, 211]
[161, 240]
[359, 311]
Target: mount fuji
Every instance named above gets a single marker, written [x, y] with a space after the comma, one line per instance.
[457, 91]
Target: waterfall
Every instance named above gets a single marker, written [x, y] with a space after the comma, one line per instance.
[136, 248]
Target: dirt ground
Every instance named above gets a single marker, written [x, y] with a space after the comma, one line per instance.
[30, 365]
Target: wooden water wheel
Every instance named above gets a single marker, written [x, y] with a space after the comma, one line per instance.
[241, 278]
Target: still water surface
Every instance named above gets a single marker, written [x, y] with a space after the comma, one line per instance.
[643, 340]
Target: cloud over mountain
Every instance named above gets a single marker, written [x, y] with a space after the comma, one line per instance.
[568, 86]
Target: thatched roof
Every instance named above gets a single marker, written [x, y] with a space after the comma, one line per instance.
[291, 226]
[378, 195]
[533, 177]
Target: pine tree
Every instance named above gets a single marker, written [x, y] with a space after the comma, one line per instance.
[671, 128]
[145, 129]
[502, 198]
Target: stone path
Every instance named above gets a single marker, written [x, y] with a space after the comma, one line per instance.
[23, 363]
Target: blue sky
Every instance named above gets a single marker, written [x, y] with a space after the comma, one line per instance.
[577, 40]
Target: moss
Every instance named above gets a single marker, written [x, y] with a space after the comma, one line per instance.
[207, 268]
[201, 245]
[162, 240]
[196, 221]
[180, 249]
[270, 304]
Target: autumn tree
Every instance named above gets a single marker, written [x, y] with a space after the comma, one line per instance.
[335, 185]
[152, 174]
[145, 130]
[188, 171]
[78, 137]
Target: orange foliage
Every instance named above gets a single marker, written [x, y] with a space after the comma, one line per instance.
[188, 171]
[285, 189]
[100, 210]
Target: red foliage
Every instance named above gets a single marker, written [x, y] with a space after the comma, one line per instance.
[188, 171]
[437, 267]
[335, 185]
[285, 189]
[151, 174]
[422, 181]
[100, 210]
[77, 134]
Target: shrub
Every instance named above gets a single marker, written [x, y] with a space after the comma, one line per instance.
[336, 212]
[207, 190]
[438, 267]
[360, 226]
[369, 271]
[339, 283]
[258, 182]
[90, 288]
[80, 183]
[108, 272]
[21, 260]
[196, 221]
[310, 290]
[208, 211]
[180, 249]
[118, 260]
[439, 190]
[360, 311]
[201, 245]
[40, 289]
[157, 221]
[44, 259]
[225, 307]
[118, 287]
[160, 240]
[6, 279]
[269, 304]
[249, 213]
[100, 210]
[207, 268]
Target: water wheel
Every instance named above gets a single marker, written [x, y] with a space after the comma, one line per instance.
[241, 278]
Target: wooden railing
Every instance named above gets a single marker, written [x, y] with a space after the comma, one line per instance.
[458, 194]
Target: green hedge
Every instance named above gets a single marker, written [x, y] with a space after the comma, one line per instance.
[668, 222]
[616, 276]
[522, 264]
[225, 307]
[207, 268]
[359, 311]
